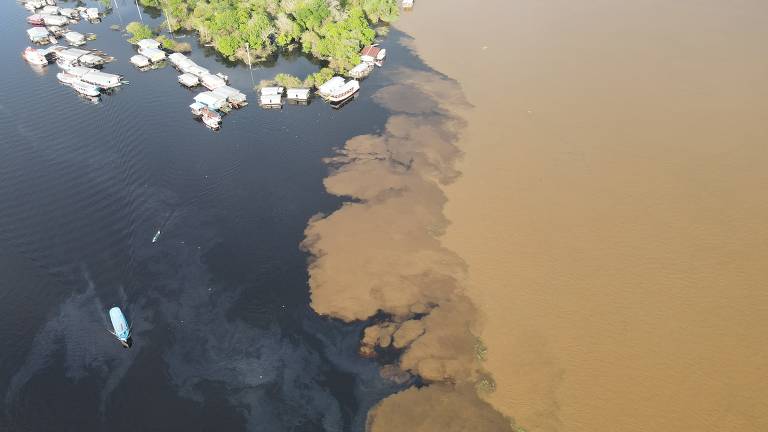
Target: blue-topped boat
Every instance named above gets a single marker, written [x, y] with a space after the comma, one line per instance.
[122, 331]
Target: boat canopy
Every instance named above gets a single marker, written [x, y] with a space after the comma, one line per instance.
[102, 79]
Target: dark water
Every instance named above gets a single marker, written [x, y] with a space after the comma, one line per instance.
[224, 338]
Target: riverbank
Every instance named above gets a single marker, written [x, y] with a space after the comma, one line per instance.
[609, 207]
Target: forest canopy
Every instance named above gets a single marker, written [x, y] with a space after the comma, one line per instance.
[331, 30]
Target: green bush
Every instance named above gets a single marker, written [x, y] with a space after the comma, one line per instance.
[138, 31]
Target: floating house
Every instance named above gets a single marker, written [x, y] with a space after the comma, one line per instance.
[38, 34]
[212, 82]
[55, 20]
[74, 38]
[407, 4]
[91, 60]
[153, 54]
[234, 97]
[69, 13]
[35, 4]
[362, 70]
[298, 94]
[140, 61]
[270, 91]
[373, 54]
[211, 100]
[101, 79]
[271, 100]
[327, 87]
[71, 55]
[148, 43]
[177, 59]
[51, 10]
[188, 80]
[93, 13]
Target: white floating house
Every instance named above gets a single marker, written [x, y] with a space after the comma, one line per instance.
[74, 38]
[93, 13]
[329, 86]
[178, 59]
[212, 82]
[362, 70]
[140, 61]
[270, 91]
[91, 60]
[195, 70]
[298, 94]
[101, 79]
[211, 100]
[271, 100]
[51, 10]
[35, 4]
[55, 20]
[235, 97]
[38, 34]
[148, 43]
[71, 55]
[407, 4]
[69, 13]
[153, 54]
[188, 80]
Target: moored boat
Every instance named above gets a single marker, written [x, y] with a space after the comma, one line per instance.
[336, 90]
[34, 56]
[85, 88]
[211, 118]
[66, 78]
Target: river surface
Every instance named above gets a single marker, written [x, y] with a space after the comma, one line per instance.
[224, 338]
[612, 208]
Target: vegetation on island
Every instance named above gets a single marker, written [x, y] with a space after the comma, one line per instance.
[140, 31]
[330, 30]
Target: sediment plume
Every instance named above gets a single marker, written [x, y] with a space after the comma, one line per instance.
[380, 254]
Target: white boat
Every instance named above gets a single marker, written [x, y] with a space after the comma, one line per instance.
[140, 61]
[197, 109]
[212, 119]
[35, 4]
[336, 90]
[66, 77]
[33, 56]
[121, 329]
[35, 19]
[188, 80]
[344, 92]
[85, 88]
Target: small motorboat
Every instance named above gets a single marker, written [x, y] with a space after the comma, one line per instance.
[34, 56]
[85, 88]
[122, 331]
